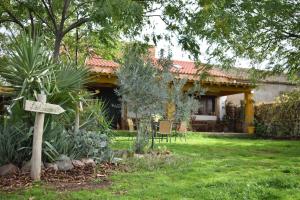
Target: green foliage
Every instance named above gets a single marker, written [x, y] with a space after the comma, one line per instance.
[13, 142]
[281, 118]
[71, 20]
[255, 30]
[91, 145]
[205, 168]
[181, 97]
[29, 70]
[148, 87]
[141, 88]
[94, 117]
[261, 31]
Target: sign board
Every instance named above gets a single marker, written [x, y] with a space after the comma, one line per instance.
[35, 106]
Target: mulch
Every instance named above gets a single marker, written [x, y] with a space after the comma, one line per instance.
[87, 177]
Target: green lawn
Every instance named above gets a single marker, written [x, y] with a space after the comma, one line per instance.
[201, 168]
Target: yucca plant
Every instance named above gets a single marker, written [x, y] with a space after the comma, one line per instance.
[30, 70]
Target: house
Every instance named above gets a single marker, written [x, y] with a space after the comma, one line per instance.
[266, 90]
[217, 86]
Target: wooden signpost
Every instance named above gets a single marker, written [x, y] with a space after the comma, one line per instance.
[40, 107]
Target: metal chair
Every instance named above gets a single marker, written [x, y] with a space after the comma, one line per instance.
[181, 130]
[165, 129]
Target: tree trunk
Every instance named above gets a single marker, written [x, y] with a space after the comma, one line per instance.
[58, 40]
[36, 158]
[77, 41]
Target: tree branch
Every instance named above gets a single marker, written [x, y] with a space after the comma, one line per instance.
[50, 14]
[43, 20]
[63, 15]
[76, 24]
[31, 22]
[291, 35]
[3, 20]
[76, 8]
[13, 17]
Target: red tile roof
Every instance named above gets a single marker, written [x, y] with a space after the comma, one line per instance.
[189, 67]
[100, 65]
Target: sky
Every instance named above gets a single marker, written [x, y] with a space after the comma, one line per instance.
[177, 52]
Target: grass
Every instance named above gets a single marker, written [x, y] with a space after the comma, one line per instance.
[202, 168]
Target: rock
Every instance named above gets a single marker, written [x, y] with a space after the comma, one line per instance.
[116, 160]
[27, 166]
[122, 154]
[8, 169]
[52, 166]
[78, 163]
[137, 155]
[64, 163]
[89, 162]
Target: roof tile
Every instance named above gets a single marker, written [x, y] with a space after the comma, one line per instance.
[98, 64]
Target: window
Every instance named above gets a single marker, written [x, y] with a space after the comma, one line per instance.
[206, 105]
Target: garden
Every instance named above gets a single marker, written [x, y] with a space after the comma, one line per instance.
[56, 135]
[205, 166]
[80, 156]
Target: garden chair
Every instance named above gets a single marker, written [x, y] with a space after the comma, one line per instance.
[181, 130]
[165, 129]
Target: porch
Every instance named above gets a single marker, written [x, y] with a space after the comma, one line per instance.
[210, 109]
[211, 105]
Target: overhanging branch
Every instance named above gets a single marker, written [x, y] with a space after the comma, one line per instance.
[76, 24]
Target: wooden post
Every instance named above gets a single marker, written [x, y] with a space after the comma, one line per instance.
[40, 107]
[77, 116]
[36, 158]
[249, 113]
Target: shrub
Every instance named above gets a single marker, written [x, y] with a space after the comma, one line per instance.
[95, 117]
[93, 145]
[13, 142]
[281, 118]
[29, 70]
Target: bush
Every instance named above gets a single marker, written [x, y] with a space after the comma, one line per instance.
[29, 70]
[92, 145]
[280, 118]
[13, 143]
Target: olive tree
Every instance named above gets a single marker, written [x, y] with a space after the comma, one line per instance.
[142, 91]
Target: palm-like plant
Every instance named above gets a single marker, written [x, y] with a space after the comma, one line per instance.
[30, 70]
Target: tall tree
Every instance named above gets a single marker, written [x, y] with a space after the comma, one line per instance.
[261, 31]
[59, 17]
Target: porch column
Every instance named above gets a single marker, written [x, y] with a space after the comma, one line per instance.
[217, 106]
[170, 111]
[249, 113]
